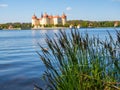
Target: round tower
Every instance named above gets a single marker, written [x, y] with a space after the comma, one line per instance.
[35, 21]
[51, 19]
[64, 19]
[45, 19]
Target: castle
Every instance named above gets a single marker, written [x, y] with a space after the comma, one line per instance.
[46, 19]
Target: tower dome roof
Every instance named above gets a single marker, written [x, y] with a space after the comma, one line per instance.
[57, 16]
[63, 15]
[45, 15]
[34, 17]
[50, 16]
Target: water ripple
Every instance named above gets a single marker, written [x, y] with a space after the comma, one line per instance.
[20, 66]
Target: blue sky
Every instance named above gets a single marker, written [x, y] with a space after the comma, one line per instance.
[95, 10]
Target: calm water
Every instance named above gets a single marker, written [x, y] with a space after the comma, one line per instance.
[20, 66]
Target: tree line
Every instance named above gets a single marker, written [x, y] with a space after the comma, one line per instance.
[16, 25]
[94, 23]
[82, 23]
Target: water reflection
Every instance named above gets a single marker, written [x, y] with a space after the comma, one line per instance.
[38, 37]
[20, 66]
[56, 31]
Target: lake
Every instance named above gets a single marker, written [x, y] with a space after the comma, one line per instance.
[20, 65]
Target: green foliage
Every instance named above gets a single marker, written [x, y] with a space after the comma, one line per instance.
[66, 25]
[73, 22]
[16, 25]
[94, 23]
[77, 62]
[49, 25]
[58, 25]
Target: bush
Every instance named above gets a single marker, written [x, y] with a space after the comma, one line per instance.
[79, 62]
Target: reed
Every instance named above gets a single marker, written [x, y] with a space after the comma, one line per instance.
[80, 62]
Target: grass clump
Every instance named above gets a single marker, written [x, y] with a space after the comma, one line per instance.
[77, 62]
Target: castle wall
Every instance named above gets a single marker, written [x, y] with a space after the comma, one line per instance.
[45, 21]
[63, 21]
[35, 23]
[57, 21]
[51, 21]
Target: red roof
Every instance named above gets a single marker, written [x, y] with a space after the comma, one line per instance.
[40, 18]
[50, 16]
[56, 16]
[34, 17]
[63, 16]
[45, 15]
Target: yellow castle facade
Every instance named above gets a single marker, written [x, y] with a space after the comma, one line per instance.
[46, 19]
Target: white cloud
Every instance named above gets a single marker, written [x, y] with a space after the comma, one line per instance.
[3, 5]
[68, 8]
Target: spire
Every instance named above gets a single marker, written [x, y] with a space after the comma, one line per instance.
[63, 15]
[41, 15]
[34, 16]
[45, 15]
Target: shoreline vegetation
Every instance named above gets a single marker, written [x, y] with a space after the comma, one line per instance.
[80, 62]
[70, 23]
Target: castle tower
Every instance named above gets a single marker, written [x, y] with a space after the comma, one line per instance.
[41, 15]
[51, 19]
[35, 21]
[45, 19]
[64, 18]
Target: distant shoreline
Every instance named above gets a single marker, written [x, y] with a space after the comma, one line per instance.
[49, 28]
[56, 28]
